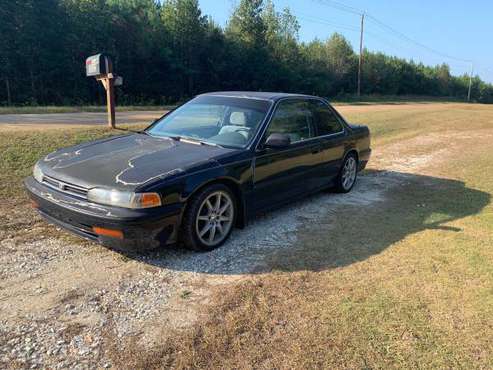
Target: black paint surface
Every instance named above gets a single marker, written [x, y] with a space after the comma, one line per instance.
[261, 178]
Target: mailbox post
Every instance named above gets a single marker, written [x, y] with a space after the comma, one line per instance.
[100, 66]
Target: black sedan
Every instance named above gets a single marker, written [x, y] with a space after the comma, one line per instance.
[200, 170]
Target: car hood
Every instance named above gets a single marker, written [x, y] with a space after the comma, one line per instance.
[128, 162]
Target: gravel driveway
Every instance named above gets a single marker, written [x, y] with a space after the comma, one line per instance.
[63, 300]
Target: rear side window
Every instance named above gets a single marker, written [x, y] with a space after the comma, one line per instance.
[326, 121]
[293, 118]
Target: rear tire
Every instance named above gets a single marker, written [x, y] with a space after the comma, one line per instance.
[347, 175]
[209, 218]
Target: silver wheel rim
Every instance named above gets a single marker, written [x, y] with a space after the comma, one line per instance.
[215, 218]
[349, 173]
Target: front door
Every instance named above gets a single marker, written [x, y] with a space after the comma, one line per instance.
[281, 174]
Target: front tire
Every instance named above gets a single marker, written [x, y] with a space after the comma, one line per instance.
[348, 174]
[209, 218]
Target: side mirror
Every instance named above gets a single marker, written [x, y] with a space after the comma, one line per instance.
[278, 141]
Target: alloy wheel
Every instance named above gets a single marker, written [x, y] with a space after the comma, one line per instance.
[349, 173]
[215, 218]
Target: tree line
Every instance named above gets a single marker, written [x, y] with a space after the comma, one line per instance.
[169, 51]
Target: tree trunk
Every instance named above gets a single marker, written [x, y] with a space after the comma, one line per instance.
[190, 84]
[33, 90]
[9, 97]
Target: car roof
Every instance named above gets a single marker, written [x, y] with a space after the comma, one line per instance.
[273, 96]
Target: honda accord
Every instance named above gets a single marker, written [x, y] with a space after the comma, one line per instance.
[199, 171]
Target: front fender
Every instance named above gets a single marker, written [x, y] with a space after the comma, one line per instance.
[238, 175]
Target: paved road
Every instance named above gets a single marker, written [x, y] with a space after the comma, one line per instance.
[29, 121]
[83, 118]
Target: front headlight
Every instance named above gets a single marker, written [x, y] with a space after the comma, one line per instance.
[124, 199]
[37, 173]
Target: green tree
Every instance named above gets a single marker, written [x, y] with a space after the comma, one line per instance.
[247, 25]
[168, 51]
[7, 51]
[341, 62]
[315, 74]
[246, 35]
[284, 54]
[186, 28]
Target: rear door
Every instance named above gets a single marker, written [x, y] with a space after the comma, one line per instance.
[281, 174]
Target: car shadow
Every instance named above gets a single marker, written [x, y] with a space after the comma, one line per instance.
[334, 230]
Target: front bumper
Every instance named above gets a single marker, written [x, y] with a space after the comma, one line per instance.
[143, 229]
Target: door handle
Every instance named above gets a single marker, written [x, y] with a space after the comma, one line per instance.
[316, 150]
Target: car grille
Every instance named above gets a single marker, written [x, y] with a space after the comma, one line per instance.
[64, 187]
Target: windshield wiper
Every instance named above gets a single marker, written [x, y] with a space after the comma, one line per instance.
[175, 138]
[185, 139]
[192, 140]
[210, 144]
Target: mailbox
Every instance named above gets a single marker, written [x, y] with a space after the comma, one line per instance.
[97, 65]
[101, 67]
[118, 81]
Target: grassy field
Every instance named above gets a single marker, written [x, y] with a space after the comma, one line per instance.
[345, 100]
[392, 99]
[407, 283]
[20, 149]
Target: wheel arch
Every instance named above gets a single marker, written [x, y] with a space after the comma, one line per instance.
[235, 189]
[351, 151]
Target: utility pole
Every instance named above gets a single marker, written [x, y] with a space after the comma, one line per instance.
[360, 64]
[470, 83]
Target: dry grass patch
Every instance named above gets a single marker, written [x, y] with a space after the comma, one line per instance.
[406, 283]
[402, 283]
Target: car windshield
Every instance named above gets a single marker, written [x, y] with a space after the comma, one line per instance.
[226, 121]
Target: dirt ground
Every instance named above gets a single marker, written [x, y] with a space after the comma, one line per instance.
[67, 303]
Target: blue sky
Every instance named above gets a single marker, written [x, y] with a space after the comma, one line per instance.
[459, 29]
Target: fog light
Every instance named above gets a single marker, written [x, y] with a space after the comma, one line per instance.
[108, 232]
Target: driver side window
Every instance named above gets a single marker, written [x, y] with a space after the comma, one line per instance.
[292, 118]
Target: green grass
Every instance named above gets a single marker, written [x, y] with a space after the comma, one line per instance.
[19, 150]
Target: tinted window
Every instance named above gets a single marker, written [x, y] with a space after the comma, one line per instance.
[293, 118]
[326, 121]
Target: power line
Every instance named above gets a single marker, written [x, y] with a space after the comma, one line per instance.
[319, 20]
[383, 39]
[402, 36]
[478, 66]
[341, 6]
[381, 25]
[406, 38]
[311, 18]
